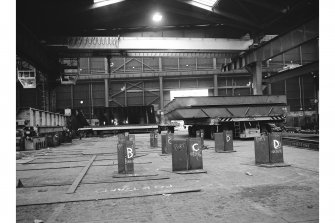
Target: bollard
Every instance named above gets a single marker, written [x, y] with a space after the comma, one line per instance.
[276, 148]
[129, 159]
[121, 148]
[269, 149]
[219, 142]
[169, 139]
[224, 141]
[153, 139]
[132, 138]
[125, 152]
[262, 149]
[202, 136]
[126, 135]
[164, 141]
[228, 140]
[121, 137]
[194, 154]
[179, 155]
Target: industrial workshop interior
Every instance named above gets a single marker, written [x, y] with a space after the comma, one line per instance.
[167, 111]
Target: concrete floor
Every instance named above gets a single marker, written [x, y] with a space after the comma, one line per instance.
[234, 189]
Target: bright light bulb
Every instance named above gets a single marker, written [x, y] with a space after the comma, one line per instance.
[157, 17]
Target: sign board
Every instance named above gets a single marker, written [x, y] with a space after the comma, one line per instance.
[67, 112]
[195, 154]
[262, 149]
[276, 148]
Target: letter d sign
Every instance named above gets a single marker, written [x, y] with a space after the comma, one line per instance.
[276, 144]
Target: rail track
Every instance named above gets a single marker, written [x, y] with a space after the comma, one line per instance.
[311, 144]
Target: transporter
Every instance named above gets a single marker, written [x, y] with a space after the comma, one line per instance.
[37, 129]
[246, 116]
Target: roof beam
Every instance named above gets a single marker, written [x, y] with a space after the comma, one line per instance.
[266, 5]
[203, 15]
[222, 13]
[104, 3]
[156, 43]
[299, 71]
[120, 75]
[246, 10]
[278, 45]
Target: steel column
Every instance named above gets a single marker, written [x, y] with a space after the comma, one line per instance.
[256, 70]
[160, 64]
[106, 93]
[216, 93]
[71, 86]
[161, 96]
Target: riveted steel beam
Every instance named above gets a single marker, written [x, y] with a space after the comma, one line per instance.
[279, 45]
[153, 43]
[117, 75]
[299, 71]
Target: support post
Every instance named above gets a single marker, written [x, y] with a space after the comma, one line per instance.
[71, 96]
[214, 63]
[256, 70]
[216, 85]
[161, 96]
[160, 64]
[269, 87]
[106, 93]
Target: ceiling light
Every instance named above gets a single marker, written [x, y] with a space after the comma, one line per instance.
[157, 17]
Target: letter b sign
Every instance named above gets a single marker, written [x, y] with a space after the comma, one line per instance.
[130, 153]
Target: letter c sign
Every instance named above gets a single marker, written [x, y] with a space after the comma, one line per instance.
[227, 138]
[194, 147]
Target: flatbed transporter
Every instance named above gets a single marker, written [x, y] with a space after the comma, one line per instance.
[246, 116]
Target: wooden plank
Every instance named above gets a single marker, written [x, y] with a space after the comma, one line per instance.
[271, 165]
[116, 180]
[94, 197]
[24, 161]
[81, 175]
[190, 171]
[116, 175]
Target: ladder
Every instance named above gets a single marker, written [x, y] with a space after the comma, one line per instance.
[237, 129]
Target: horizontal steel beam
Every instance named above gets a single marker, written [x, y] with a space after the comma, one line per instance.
[299, 71]
[159, 74]
[154, 43]
[277, 46]
[71, 53]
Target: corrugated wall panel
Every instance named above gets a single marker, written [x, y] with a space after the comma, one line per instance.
[98, 94]
[241, 91]
[278, 88]
[204, 63]
[81, 93]
[98, 65]
[188, 83]
[169, 63]
[205, 83]
[63, 96]
[151, 64]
